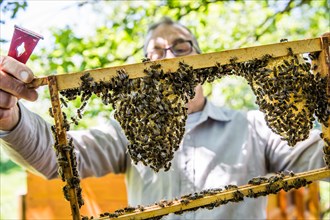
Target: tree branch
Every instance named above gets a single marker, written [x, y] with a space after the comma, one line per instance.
[271, 19]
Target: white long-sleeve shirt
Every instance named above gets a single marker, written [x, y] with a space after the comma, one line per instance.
[220, 147]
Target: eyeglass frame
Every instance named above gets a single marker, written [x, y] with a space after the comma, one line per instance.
[192, 46]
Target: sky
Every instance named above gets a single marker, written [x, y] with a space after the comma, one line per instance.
[40, 15]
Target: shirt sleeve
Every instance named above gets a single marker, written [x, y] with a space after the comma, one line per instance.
[98, 151]
[305, 155]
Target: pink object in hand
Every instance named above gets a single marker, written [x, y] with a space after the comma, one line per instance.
[23, 43]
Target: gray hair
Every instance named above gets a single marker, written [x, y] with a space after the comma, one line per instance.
[168, 21]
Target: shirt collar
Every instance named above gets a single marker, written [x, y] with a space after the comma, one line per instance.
[214, 112]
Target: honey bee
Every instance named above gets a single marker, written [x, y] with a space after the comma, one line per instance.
[85, 76]
[326, 150]
[185, 201]
[290, 51]
[120, 211]
[233, 60]
[50, 110]
[63, 102]
[129, 209]
[53, 128]
[313, 56]
[141, 208]
[79, 114]
[251, 194]
[257, 180]
[291, 173]
[179, 212]
[82, 106]
[230, 187]
[66, 192]
[169, 203]
[326, 159]
[145, 59]
[113, 215]
[287, 63]
[155, 66]
[237, 196]
[196, 196]
[74, 120]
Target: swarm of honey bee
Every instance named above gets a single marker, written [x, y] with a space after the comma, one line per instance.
[289, 94]
[152, 112]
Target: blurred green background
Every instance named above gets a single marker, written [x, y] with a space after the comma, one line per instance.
[114, 36]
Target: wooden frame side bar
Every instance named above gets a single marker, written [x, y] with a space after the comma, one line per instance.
[62, 141]
[323, 65]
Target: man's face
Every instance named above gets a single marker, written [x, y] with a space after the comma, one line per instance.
[166, 36]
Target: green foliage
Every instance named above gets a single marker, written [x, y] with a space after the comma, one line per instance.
[7, 166]
[13, 8]
[233, 92]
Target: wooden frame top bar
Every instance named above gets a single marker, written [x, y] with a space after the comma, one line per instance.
[72, 80]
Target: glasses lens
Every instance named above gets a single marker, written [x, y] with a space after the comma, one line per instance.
[156, 54]
[182, 48]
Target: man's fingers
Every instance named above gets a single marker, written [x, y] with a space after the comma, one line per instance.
[16, 88]
[14, 77]
[326, 34]
[16, 69]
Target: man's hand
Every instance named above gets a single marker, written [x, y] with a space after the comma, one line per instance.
[13, 78]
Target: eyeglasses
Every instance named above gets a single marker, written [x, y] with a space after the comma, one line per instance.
[180, 48]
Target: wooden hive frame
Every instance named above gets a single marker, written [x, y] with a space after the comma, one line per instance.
[57, 83]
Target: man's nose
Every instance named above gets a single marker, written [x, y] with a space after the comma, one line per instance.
[169, 54]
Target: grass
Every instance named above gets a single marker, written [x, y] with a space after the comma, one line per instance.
[12, 185]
